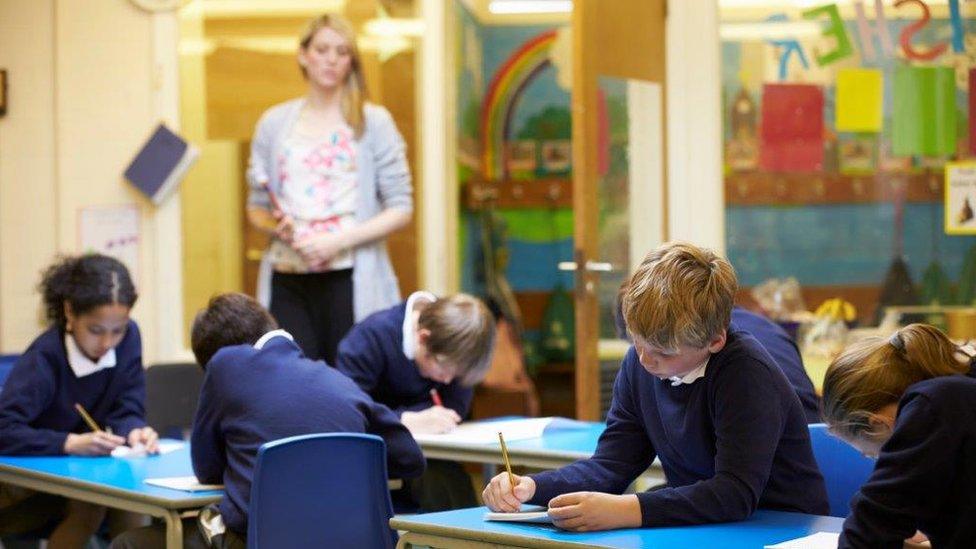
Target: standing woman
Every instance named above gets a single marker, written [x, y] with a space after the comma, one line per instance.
[329, 181]
[90, 355]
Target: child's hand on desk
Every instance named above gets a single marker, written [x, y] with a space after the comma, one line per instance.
[432, 421]
[499, 496]
[590, 511]
[98, 443]
[145, 437]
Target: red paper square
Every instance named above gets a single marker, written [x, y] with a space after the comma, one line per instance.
[792, 128]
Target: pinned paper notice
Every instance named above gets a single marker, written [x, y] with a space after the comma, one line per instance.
[859, 100]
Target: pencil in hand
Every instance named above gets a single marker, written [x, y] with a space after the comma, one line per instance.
[88, 419]
[508, 463]
[436, 398]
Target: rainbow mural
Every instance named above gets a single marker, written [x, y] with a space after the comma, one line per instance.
[496, 112]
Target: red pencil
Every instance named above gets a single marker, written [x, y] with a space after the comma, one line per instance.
[436, 398]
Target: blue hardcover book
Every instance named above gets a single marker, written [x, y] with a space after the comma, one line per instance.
[161, 164]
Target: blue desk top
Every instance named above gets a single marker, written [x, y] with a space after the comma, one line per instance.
[763, 528]
[563, 437]
[121, 477]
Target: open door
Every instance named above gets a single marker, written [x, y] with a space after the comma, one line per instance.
[619, 194]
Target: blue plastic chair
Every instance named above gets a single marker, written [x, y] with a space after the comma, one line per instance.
[844, 469]
[321, 490]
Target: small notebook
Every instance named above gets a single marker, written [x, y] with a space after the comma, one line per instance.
[161, 164]
[820, 540]
[139, 451]
[187, 484]
[536, 517]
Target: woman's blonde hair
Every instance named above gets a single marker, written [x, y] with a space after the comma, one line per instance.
[354, 93]
[876, 372]
[462, 329]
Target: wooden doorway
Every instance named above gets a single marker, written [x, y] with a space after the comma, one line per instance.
[618, 177]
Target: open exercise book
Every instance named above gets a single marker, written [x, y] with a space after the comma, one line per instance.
[187, 484]
[486, 432]
[820, 540]
[538, 515]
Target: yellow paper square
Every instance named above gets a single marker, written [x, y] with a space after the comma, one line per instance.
[859, 100]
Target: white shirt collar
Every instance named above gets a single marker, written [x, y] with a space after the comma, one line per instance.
[691, 376]
[80, 364]
[409, 326]
[259, 344]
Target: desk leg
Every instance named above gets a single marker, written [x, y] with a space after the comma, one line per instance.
[174, 530]
[488, 471]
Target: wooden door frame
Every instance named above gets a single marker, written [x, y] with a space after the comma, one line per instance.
[634, 25]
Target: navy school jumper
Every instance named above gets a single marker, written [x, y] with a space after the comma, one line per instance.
[252, 396]
[37, 404]
[372, 355]
[784, 351]
[925, 477]
[731, 442]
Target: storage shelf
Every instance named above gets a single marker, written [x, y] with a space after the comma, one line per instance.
[799, 189]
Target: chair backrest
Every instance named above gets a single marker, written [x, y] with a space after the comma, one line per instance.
[844, 469]
[322, 490]
[172, 393]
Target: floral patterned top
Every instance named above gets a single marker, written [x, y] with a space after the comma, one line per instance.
[317, 170]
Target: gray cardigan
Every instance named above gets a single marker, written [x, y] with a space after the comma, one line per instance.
[384, 182]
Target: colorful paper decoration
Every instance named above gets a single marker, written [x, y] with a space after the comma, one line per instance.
[866, 33]
[859, 100]
[906, 34]
[787, 48]
[836, 30]
[792, 128]
[924, 111]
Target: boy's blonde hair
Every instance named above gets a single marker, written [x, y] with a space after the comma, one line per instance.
[354, 91]
[680, 295]
[875, 372]
[462, 330]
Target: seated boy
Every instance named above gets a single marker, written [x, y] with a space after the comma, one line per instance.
[422, 358]
[258, 388]
[705, 399]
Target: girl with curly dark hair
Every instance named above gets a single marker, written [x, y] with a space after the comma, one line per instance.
[90, 355]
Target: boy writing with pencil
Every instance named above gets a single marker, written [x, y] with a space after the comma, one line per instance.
[422, 358]
[259, 387]
[705, 399]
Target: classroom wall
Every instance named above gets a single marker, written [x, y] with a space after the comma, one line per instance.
[27, 175]
[85, 91]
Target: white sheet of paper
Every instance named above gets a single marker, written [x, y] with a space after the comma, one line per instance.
[536, 517]
[139, 451]
[820, 540]
[187, 484]
[487, 432]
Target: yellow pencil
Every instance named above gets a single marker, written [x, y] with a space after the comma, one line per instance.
[508, 464]
[88, 419]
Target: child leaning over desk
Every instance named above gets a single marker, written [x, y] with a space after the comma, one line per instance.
[259, 387]
[910, 401]
[90, 355]
[707, 400]
[412, 355]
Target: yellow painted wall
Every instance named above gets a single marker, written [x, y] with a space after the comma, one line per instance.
[84, 96]
[28, 211]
